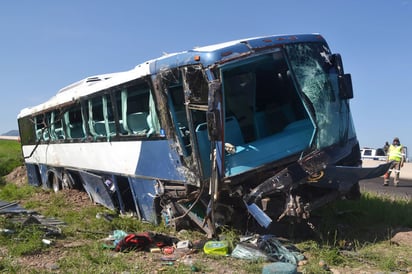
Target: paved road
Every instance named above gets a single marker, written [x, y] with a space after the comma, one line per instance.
[404, 190]
[375, 186]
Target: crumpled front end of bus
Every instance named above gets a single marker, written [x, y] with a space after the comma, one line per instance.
[256, 201]
[306, 185]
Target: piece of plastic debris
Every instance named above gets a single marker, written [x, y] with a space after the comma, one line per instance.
[248, 252]
[46, 241]
[167, 250]
[184, 244]
[279, 268]
[6, 231]
[119, 234]
[155, 250]
[276, 251]
[216, 248]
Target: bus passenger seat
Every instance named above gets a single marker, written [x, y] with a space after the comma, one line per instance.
[137, 122]
[204, 147]
[76, 131]
[233, 134]
[60, 133]
[100, 128]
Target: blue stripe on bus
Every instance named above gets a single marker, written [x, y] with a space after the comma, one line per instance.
[157, 159]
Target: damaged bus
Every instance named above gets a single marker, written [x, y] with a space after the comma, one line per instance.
[244, 134]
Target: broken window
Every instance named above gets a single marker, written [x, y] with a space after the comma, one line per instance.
[41, 127]
[101, 121]
[137, 111]
[74, 123]
[318, 81]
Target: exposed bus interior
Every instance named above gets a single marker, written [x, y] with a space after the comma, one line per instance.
[265, 118]
[129, 112]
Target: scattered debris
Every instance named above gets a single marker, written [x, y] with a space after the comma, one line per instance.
[172, 250]
[216, 248]
[17, 214]
[280, 268]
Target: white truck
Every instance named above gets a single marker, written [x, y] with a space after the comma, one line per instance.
[373, 154]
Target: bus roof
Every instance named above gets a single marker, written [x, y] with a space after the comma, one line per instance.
[88, 86]
[208, 55]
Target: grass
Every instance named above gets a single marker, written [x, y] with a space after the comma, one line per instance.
[357, 234]
[10, 156]
[347, 235]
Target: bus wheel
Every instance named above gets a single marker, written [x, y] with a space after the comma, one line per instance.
[67, 181]
[56, 183]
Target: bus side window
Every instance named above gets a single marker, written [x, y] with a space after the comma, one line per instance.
[59, 128]
[74, 123]
[138, 114]
[110, 124]
[101, 118]
[56, 126]
[39, 127]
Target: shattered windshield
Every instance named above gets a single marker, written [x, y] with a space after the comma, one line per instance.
[317, 79]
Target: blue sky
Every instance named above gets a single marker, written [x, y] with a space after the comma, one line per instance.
[46, 45]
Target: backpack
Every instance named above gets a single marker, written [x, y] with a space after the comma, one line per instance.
[138, 242]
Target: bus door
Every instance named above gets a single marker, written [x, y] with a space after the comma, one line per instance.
[204, 108]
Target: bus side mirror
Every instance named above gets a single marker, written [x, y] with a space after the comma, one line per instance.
[344, 80]
[337, 63]
[345, 86]
[214, 125]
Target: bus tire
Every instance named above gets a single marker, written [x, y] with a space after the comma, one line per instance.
[67, 181]
[56, 183]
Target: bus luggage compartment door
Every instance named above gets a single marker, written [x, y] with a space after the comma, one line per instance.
[96, 188]
[144, 193]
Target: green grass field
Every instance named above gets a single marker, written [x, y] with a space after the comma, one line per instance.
[10, 156]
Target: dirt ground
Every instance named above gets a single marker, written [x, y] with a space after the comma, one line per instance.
[78, 199]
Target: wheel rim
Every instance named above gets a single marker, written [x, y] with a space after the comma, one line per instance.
[67, 181]
[56, 183]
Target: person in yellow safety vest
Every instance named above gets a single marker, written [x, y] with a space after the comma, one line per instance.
[395, 154]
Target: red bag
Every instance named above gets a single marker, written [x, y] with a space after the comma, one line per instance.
[138, 242]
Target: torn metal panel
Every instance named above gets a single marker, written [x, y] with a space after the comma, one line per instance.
[97, 189]
[43, 169]
[12, 207]
[33, 175]
[144, 193]
[25, 216]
